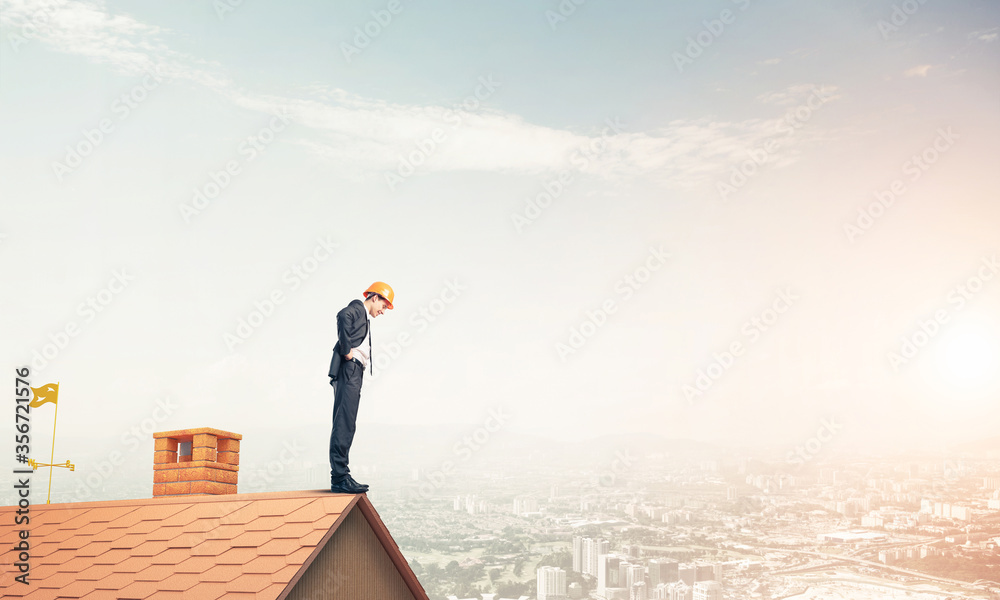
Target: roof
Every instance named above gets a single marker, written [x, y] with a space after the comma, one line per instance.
[232, 546]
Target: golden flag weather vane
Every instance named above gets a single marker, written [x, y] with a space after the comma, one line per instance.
[43, 395]
[46, 393]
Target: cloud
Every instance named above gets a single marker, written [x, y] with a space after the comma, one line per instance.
[798, 94]
[85, 28]
[769, 62]
[918, 71]
[986, 35]
[364, 137]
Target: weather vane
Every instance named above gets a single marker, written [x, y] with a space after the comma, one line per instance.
[45, 394]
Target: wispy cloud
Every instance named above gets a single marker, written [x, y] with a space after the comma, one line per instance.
[986, 35]
[918, 71]
[798, 94]
[85, 28]
[362, 135]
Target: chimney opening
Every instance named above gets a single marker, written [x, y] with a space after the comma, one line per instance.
[195, 462]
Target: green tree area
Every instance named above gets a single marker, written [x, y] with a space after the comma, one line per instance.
[562, 559]
[452, 579]
[955, 567]
[503, 547]
[467, 582]
[514, 589]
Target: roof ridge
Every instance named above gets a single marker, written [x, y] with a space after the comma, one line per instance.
[186, 499]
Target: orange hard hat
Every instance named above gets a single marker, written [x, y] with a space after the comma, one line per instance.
[382, 289]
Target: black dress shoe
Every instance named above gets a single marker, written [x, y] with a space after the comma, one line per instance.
[355, 483]
[347, 486]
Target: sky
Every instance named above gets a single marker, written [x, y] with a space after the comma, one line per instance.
[726, 221]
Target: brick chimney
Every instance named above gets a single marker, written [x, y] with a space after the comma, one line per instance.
[201, 461]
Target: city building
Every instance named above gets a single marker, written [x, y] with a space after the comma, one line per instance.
[525, 505]
[707, 590]
[662, 570]
[631, 574]
[551, 583]
[578, 554]
[637, 591]
[590, 551]
[609, 576]
[687, 574]
[673, 591]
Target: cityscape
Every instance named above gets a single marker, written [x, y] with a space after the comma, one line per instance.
[644, 517]
[681, 527]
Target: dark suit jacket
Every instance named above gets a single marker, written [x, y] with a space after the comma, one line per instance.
[352, 327]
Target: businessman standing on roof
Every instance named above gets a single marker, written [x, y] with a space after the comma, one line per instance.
[352, 354]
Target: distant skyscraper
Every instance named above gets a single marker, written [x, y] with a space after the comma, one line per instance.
[551, 582]
[525, 504]
[633, 574]
[707, 590]
[704, 572]
[592, 549]
[637, 591]
[679, 591]
[686, 573]
[608, 575]
[662, 570]
[578, 554]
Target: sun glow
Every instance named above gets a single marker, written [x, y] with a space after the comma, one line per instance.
[969, 357]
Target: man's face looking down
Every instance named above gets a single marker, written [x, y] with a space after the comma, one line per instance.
[378, 306]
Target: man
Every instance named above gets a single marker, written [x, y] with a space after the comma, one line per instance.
[351, 355]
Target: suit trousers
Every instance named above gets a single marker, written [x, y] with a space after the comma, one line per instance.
[346, 397]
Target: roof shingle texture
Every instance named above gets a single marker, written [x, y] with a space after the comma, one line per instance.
[247, 546]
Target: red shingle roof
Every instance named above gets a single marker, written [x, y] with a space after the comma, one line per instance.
[206, 547]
